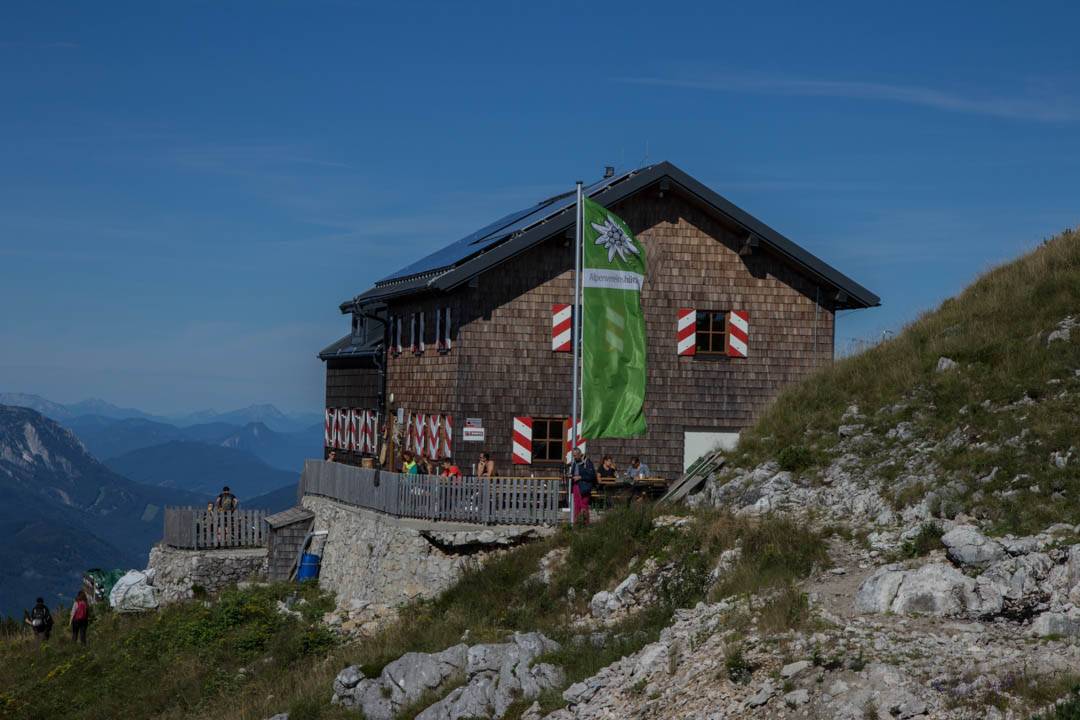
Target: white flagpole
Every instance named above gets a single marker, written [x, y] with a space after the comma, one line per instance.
[576, 345]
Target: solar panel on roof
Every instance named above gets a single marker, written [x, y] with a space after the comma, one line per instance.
[496, 232]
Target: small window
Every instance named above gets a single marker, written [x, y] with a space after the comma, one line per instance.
[711, 332]
[547, 441]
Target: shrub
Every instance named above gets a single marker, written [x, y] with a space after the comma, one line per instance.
[738, 668]
[794, 458]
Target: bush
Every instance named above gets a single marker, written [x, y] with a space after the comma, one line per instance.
[794, 458]
[739, 669]
[928, 540]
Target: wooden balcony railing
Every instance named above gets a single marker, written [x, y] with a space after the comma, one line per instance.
[198, 528]
[489, 501]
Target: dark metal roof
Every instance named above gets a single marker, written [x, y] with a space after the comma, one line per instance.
[350, 346]
[288, 517]
[516, 233]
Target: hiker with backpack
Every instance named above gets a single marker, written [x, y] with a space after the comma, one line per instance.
[583, 476]
[80, 618]
[40, 619]
[226, 500]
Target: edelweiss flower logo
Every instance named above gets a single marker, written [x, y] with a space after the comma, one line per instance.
[614, 239]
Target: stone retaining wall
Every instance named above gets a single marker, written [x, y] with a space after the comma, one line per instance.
[370, 557]
[177, 571]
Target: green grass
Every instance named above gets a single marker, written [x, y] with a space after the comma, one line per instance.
[185, 661]
[995, 329]
[170, 664]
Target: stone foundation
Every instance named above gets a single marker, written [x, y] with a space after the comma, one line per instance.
[177, 572]
[374, 558]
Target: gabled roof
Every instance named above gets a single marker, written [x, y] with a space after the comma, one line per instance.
[513, 234]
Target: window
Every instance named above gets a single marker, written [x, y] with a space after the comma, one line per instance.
[711, 332]
[547, 441]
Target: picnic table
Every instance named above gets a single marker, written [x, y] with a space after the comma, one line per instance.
[623, 492]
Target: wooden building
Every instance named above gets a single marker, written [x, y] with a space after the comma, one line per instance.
[471, 342]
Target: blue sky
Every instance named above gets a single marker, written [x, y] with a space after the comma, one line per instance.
[189, 189]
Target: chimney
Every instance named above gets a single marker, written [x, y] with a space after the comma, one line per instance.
[609, 171]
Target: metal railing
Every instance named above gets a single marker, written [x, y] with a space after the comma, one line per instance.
[489, 501]
[198, 528]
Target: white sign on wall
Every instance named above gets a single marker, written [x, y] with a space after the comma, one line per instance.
[472, 434]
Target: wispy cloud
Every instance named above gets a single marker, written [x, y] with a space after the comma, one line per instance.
[1043, 106]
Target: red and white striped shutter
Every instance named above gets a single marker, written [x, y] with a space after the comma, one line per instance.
[562, 323]
[369, 431]
[568, 439]
[447, 435]
[333, 428]
[686, 333]
[339, 428]
[420, 431]
[738, 333]
[408, 432]
[356, 430]
[522, 441]
[446, 331]
[372, 421]
[434, 421]
[328, 428]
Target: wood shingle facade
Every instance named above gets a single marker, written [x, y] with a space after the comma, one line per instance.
[704, 256]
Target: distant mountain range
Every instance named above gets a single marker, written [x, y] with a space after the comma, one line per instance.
[267, 414]
[201, 468]
[62, 511]
[83, 485]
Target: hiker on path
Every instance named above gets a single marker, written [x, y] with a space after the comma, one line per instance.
[583, 477]
[637, 470]
[80, 618]
[40, 619]
[226, 500]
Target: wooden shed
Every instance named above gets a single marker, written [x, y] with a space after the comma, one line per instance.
[288, 529]
[469, 346]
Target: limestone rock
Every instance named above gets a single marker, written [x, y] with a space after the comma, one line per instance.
[966, 545]
[792, 669]
[1057, 624]
[945, 364]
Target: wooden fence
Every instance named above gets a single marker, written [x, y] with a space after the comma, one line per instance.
[197, 528]
[490, 501]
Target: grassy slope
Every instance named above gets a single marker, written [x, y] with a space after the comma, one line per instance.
[185, 661]
[995, 329]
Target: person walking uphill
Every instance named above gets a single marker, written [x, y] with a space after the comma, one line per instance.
[40, 619]
[583, 476]
[80, 618]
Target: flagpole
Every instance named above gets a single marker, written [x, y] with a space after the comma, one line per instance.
[576, 345]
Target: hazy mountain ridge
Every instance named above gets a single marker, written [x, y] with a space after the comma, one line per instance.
[203, 468]
[64, 511]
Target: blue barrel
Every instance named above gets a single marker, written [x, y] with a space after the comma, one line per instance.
[309, 567]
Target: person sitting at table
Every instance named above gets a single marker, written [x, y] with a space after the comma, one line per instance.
[449, 469]
[607, 472]
[637, 470]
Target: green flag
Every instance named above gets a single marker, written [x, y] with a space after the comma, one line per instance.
[612, 327]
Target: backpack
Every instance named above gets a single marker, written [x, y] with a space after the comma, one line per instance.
[39, 617]
[82, 611]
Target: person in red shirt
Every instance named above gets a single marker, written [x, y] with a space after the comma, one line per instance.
[80, 617]
[449, 469]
